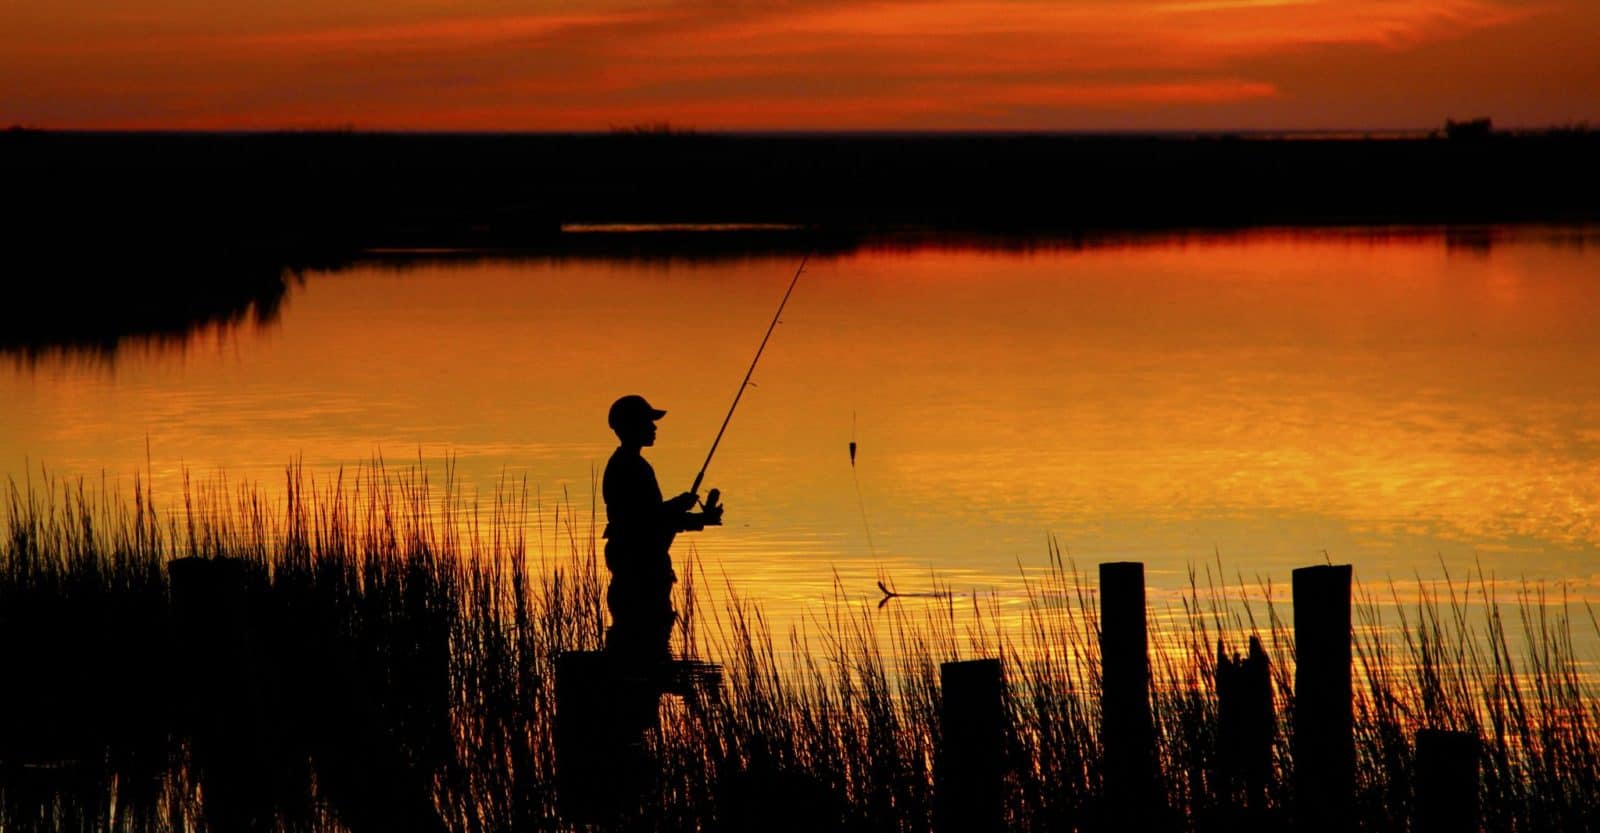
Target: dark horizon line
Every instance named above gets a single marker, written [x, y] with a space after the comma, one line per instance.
[667, 129]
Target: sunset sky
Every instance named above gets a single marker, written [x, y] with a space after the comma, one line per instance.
[819, 64]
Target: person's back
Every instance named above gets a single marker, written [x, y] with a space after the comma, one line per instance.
[636, 530]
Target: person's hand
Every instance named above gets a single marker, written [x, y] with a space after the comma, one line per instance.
[713, 514]
[682, 503]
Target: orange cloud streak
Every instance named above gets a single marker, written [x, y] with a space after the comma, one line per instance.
[712, 63]
[441, 34]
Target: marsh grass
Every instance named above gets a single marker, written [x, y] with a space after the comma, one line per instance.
[395, 659]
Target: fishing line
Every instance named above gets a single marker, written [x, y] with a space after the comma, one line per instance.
[861, 502]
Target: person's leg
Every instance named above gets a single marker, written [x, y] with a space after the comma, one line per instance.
[632, 630]
[630, 647]
[661, 618]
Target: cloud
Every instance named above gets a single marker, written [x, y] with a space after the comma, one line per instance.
[442, 34]
[724, 63]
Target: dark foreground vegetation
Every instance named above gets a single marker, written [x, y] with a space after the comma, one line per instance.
[387, 660]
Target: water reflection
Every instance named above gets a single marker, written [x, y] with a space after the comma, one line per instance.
[95, 307]
[1271, 396]
[97, 303]
[163, 299]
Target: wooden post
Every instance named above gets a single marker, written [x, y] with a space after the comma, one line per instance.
[1323, 743]
[1446, 782]
[969, 769]
[587, 737]
[1126, 732]
[1246, 723]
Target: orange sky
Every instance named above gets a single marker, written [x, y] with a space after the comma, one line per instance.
[783, 64]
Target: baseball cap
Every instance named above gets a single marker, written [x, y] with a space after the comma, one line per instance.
[632, 410]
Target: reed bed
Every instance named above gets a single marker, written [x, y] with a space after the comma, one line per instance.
[388, 662]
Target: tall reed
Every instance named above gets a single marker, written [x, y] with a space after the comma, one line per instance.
[397, 660]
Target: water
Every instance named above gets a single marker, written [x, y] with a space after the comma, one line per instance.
[1407, 401]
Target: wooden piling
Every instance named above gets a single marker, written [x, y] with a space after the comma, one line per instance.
[970, 761]
[1246, 723]
[1446, 782]
[1126, 731]
[1323, 743]
[587, 737]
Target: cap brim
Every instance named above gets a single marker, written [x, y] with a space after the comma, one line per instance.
[655, 414]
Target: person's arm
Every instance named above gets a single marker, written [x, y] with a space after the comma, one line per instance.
[681, 519]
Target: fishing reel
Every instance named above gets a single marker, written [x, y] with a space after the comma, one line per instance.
[712, 509]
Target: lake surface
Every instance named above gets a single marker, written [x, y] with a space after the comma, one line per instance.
[1404, 400]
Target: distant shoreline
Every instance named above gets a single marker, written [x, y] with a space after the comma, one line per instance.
[298, 196]
[1266, 134]
[115, 234]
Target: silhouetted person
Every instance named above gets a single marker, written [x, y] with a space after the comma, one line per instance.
[639, 532]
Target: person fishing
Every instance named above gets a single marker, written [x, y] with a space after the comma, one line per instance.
[640, 528]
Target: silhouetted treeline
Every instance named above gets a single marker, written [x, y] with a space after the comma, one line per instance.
[118, 235]
[313, 191]
[91, 304]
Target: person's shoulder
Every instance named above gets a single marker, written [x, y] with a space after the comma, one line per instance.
[624, 460]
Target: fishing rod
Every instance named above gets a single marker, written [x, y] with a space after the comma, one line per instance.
[711, 499]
